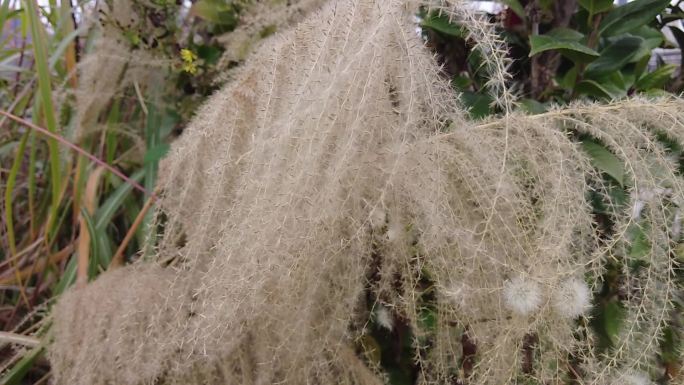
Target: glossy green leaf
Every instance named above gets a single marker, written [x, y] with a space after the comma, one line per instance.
[569, 79]
[615, 56]
[567, 42]
[461, 82]
[640, 66]
[478, 104]
[653, 38]
[613, 315]
[440, 23]
[619, 80]
[533, 107]
[209, 54]
[604, 160]
[656, 93]
[631, 16]
[596, 6]
[600, 90]
[640, 246]
[565, 34]
[657, 78]
[628, 77]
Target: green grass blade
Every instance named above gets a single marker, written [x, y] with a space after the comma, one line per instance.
[17, 373]
[11, 182]
[95, 252]
[152, 142]
[105, 213]
[45, 92]
[9, 215]
[68, 276]
[61, 220]
[8, 147]
[151, 167]
[58, 52]
[104, 243]
[4, 13]
[111, 139]
[132, 210]
[32, 182]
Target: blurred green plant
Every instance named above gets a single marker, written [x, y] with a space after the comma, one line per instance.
[563, 51]
[68, 215]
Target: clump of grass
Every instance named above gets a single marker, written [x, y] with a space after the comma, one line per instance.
[336, 175]
[87, 107]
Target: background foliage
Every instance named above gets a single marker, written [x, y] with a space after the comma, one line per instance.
[66, 217]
